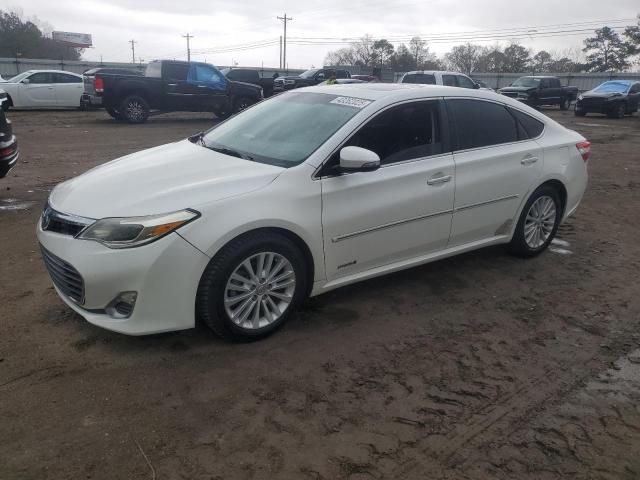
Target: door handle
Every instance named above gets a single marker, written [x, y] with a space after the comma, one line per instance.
[202, 86]
[528, 160]
[439, 180]
[172, 84]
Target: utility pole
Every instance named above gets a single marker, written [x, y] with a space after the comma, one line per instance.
[133, 50]
[188, 37]
[280, 52]
[285, 19]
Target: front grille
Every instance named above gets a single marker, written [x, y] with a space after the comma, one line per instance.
[595, 103]
[57, 222]
[64, 276]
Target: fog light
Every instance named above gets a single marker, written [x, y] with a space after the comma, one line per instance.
[122, 306]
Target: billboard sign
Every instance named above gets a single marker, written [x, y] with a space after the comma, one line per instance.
[81, 40]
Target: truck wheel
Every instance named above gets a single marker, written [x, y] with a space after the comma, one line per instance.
[618, 111]
[134, 109]
[222, 114]
[242, 103]
[580, 113]
[565, 103]
[115, 114]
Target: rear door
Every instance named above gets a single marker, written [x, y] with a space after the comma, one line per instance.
[449, 80]
[178, 93]
[39, 92]
[496, 161]
[69, 89]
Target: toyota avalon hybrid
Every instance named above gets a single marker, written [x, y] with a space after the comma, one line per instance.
[300, 194]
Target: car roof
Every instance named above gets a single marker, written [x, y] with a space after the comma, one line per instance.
[430, 72]
[404, 91]
[52, 71]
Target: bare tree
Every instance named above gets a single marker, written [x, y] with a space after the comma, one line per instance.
[464, 58]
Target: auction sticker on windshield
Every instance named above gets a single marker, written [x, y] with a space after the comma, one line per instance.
[351, 102]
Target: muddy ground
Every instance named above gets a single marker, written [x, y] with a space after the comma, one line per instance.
[478, 367]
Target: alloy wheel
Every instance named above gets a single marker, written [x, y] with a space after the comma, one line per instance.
[259, 290]
[539, 223]
[135, 111]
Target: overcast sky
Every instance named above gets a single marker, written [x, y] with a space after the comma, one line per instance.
[157, 25]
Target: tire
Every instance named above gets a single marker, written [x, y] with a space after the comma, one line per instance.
[114, 114]
[565, 103]
[222, 114]
[618, 111]
[523, 244]
[7, 104]
[212, 300]
[134, 109]
[241, 103]
[580, 113]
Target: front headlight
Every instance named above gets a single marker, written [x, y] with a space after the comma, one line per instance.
[135, 231]
[580, 97]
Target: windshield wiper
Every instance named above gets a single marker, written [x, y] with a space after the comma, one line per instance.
[227, 151]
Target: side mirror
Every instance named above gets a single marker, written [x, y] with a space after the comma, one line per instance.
[26, 81]
[356, 159]
[476, 85]
[320, 76]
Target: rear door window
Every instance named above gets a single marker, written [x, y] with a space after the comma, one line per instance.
[465, 82]
[175, 71]
[422, 78]
[449, 80]
[481, 124]
[64, 78]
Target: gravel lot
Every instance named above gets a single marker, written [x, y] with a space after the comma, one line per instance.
[481, 366]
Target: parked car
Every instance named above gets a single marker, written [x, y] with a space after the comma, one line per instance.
[342, 81]
[308, 78]
[303, 193]
[44, 89]
[434, 77]
[2, 79]
[89, 98]
[482, 85]
[173, 86]
[253, 77]
[615, 98]
[536, 91]
[8, 144]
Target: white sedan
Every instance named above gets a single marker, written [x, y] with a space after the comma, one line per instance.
[302, 193]
[44, 89]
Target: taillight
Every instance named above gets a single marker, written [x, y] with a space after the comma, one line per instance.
[585, 149]
[98, 84]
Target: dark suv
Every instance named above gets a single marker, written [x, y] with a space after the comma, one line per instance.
[308, 78]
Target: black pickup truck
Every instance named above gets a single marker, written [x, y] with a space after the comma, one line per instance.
[541, 90]
[173, 86]
[308, 78]
[253, 77]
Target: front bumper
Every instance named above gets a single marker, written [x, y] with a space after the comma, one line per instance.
[9, 155]
[165, 274]
[595, 106]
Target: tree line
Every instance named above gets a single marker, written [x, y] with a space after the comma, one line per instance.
[24, 38]
[605, 51]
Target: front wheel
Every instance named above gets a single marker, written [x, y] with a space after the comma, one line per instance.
[618, 111]
[538, 223]
[252, 286]
[134, 109]
[242, 103]
[580, 113]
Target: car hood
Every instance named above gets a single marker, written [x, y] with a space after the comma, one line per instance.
[291, 77]
[160, 180]
[517, 89]
[592, 94]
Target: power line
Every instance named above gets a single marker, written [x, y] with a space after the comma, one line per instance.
[188, 37]
[283, 60]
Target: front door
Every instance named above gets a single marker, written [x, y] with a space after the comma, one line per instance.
[209, 87]
[497, 162]
[39, 92]
[403, 209]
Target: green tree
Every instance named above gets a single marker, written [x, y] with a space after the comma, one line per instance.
[542, 61]
[632, 34]
[383, 50]
[20, 37]
[517, 59]
[403, 60]
[606, 51]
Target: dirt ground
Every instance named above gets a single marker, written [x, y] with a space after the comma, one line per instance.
[478, 367]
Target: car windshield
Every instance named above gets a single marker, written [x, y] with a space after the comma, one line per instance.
[20, 76]
[612, 87]
[309, 73]
[225, 71]
[285, 129]
[526, 82]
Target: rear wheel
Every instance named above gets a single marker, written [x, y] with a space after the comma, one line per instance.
[252, 286]
[134, 109]
[538, 223]
[618, 111]
[565, 103]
